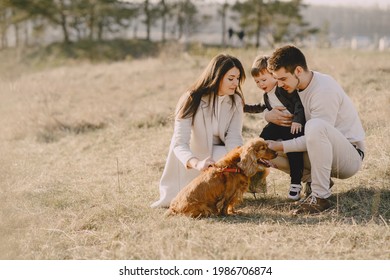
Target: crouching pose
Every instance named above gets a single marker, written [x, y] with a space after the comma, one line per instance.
[208, 124]
[334, 136]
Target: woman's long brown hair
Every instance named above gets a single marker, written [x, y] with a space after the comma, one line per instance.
[208, 84]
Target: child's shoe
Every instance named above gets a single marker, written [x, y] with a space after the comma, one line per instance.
[295, 191]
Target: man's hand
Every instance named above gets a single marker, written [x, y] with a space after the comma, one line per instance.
[296, 128]
[277, 116]
[275, 145]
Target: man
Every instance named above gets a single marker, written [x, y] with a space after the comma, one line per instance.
[334, 136]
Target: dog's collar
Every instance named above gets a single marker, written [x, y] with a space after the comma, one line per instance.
[231, 170]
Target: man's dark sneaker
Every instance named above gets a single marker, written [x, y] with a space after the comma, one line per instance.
[307, 188]
[312, 205]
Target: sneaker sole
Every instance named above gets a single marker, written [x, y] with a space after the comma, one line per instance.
[295, 198]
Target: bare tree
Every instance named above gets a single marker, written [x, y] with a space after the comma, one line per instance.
[280, 17]
[223, 14]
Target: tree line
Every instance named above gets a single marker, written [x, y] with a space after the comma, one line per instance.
[104, 19]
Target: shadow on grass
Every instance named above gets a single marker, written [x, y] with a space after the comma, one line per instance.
[356, 206]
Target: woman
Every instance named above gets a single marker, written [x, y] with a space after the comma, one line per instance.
[208, 124]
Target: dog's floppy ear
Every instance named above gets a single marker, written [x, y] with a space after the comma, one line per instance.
[248, 162]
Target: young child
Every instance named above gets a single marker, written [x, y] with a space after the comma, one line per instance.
[276, 96]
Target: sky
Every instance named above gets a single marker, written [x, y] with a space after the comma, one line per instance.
[361, 3]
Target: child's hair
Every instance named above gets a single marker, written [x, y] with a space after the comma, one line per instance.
[259, 65]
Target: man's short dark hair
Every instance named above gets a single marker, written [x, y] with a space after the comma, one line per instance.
[288, 57]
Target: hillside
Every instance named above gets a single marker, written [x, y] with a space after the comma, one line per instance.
[84, 144]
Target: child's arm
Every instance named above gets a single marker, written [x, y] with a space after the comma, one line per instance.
[299, 115]
[299, 112]
[253, 109]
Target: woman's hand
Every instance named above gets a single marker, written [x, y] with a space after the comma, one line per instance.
[201, 164]
[278, 117]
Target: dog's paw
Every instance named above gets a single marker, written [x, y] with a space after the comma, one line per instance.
[236, 212]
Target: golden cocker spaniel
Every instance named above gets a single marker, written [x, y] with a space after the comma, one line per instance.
[218, 189]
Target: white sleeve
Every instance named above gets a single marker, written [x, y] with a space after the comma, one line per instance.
[181, 140]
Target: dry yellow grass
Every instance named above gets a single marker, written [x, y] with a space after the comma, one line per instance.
[83, 147]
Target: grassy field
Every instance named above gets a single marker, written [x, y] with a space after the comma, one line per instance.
[83, 146]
